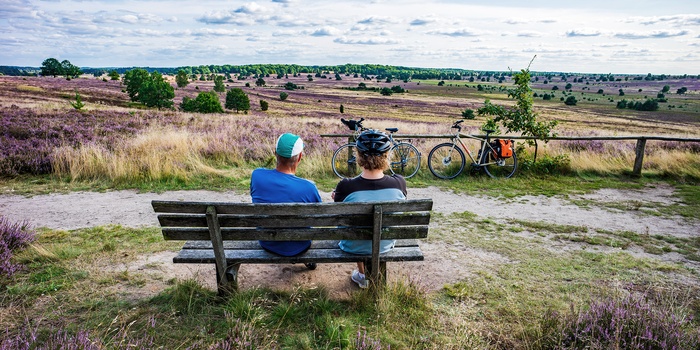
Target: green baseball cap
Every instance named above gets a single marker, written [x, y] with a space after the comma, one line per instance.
[289, 145]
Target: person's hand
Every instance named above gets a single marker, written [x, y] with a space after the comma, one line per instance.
[333, 195]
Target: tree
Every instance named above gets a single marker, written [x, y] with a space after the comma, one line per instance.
[78, 104]
[206, 102]
[264, 105]
[51, 66]
[260, 82]
[134, 79]
[570, 101]
[621, 93]
[69, 70]
[181, 79]
[219, 84]
[237, 99]
[283, 95]
[342, 109]
[385, 91]
[665, 89]
[520, 118]
[682, 90]
[156, 92]
[114, 75]
[568, 86]
[600, 91]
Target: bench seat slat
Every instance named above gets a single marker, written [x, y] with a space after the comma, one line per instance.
[294, 234]
[229, 220]
[289, 208]
[232, 245]
[260, 256]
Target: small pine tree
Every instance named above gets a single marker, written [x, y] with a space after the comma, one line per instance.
[78, 104]
[283, 95]
[264, 105]
[342, 109]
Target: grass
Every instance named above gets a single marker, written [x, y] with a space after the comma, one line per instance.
[73, 283]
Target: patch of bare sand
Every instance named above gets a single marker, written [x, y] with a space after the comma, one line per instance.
[443, 263]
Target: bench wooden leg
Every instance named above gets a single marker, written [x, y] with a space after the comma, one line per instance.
[229, 284]
[376, 278]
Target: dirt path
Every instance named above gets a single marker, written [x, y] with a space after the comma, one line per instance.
[442, 265]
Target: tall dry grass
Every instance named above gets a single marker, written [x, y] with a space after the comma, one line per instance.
[154, 155]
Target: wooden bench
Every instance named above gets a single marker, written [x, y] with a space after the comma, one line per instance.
[226, 234]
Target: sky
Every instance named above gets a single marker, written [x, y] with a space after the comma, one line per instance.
[586, 36]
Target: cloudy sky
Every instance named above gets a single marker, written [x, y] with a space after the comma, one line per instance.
[590, 36]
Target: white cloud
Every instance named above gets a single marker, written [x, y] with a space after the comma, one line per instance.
[325, 31]
[380, 20]
[366, 41]
[583, 32]
[466, 32]
[650, 35]
[529, 34]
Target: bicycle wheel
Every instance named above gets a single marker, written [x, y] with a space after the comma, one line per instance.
[344, 162]
[497, 167]
[404, 159]
[446, 160]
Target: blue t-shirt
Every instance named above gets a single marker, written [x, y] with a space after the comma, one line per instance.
[359, 189]
[272, 186]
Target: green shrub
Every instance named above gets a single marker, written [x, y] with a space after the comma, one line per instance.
[206, 102]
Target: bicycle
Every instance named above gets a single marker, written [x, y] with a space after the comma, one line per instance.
[496, 158]
[404, 157]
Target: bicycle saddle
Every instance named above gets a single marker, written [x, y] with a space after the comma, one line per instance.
[392, 129]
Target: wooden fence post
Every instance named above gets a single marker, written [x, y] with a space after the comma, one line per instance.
[639, 157]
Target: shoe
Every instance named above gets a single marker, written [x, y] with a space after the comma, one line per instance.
[359, 278]
[310, 266]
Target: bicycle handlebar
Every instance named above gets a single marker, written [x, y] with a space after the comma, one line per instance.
[457, 126]
[353, 124]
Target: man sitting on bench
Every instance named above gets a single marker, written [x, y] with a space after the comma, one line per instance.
[281, 185]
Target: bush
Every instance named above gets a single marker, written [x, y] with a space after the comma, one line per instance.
[264, 105]
[206, 102]
[570, 101]
[13, 237]
[468, 114]
[385, 91]
[283, 95]
[629, 323]
[545, 164]
[397, 89]
[290, 86]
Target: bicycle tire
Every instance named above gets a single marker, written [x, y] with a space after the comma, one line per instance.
[446, 161]
[500, 168]
[404, 159]
[344, 162]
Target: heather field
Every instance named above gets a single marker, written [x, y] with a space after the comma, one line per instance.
[570, 253]
[114, 139]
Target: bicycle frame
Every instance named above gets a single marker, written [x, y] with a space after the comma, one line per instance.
[485, 147]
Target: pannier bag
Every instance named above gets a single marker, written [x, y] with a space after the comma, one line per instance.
[505, 148]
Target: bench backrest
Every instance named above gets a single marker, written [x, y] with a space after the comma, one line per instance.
[407, 219]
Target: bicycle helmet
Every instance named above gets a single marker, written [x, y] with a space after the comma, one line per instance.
[373, 142]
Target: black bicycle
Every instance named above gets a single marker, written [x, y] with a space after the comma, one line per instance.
[497, 158]
[404, 157]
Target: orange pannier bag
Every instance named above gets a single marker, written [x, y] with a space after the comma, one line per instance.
[506, 148]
